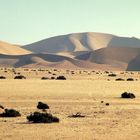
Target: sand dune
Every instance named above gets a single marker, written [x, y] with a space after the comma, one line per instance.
[134, 64]
[6, 48]
[79, 50]
[116, 57]
[49, 61]
[77, 42]
[71, 43]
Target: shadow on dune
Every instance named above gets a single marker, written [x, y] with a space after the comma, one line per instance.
[134, 64]
[124, 42]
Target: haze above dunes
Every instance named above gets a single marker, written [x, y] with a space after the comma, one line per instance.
[75, 51]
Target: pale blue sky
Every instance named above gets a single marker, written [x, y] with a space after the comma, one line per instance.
[26, 21]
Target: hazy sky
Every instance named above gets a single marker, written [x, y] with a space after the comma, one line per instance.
[26, 21]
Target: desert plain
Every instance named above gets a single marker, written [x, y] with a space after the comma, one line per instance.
[82, 91]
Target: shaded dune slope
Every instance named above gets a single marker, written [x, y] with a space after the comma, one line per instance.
[80, 42]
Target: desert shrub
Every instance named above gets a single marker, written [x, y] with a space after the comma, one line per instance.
[112, 75]
[128, 95]
[119, 79]
[107, 104]
[38, 117]
[122, 73]
[2, 107]
[44, 78]
[77, 115]
[107, 72]
[10, 113]
[20, 77]
[52, 78]
[55, 70]
[26, 69]
[42, 105]
[61, 78]
[130, 79]
[33, 70]
[2, 77]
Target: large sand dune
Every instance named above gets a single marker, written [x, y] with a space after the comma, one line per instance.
[89, 41]
[73, 51]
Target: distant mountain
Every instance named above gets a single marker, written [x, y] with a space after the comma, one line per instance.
[6, 48]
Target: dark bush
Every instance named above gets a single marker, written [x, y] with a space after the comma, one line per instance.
[10, 113]
[128, 95]
[77, 115]
[107, 104]
[112, 75]
[2, 77]
[38, 117]
[61, 78]
[20, 77]
[52, 78]
[119, 79]
[107, 72]
[2, 107]
[44, 78]
[42, 105]
[130, 79]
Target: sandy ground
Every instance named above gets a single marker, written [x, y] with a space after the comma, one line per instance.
[80, 93]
